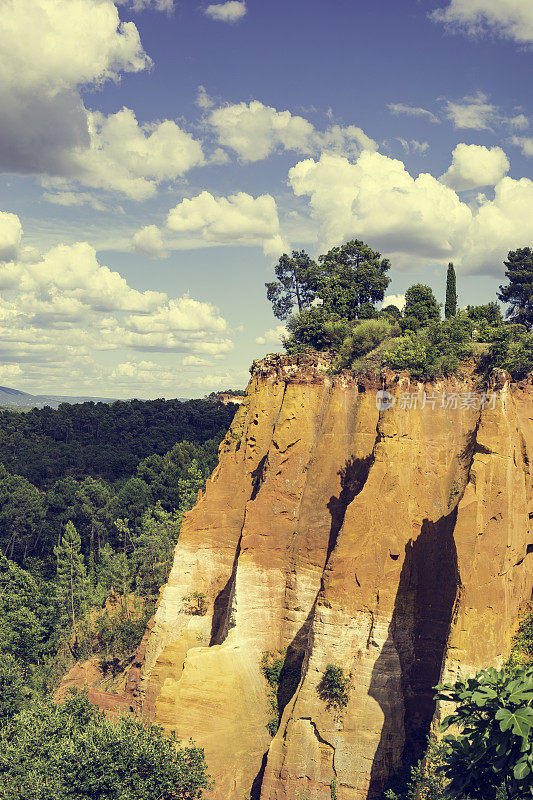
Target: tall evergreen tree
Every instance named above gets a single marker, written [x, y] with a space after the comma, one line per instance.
[450, 308]
[71, 575]
[519, 291]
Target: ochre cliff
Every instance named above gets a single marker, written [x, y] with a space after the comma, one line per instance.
[393, 542]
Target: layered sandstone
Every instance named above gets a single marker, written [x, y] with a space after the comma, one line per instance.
[391, 541]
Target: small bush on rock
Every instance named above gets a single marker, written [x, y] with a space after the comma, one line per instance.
[334, 687]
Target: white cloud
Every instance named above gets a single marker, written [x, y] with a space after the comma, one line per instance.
[133, 158]
[473, 111]
[414, 219]
[525, 143]
[474, 166]
[64, 318]
[194, 361]
[69, 198]
[202, 98]
[397, 300]
[414, 146]
[51, 50]
[53, 46]
[519, 123]
[377, 196]
[273, 336]
[255, 131]
[507, 18]
[149, 240]
[239, 218]
[10, 236]
[142, 5]
[412, 111]
[232, 11]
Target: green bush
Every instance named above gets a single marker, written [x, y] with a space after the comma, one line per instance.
[334, 687]
[425, 782]
[519, 361]
[433, 351]
[50, 751]
[315, 328]
[271, 668]
[365, 336]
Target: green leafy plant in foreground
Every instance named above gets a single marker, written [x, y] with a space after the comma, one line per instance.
[494, 744]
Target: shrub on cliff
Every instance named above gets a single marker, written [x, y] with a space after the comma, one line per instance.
[494, 746]
[50, 751]
[364, 338]
[434, 351]
[316, 329]
[334, 687]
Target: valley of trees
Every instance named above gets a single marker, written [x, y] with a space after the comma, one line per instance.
[331, 305]
[91, 502]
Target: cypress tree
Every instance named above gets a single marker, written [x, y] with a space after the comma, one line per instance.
[450, 309]
[71, 575]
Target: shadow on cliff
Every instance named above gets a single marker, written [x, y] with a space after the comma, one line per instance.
[353, 477]
[417, 639]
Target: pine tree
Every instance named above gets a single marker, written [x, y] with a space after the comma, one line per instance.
[450, 309]
[71, 575]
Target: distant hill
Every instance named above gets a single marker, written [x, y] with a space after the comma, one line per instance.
[12, 398]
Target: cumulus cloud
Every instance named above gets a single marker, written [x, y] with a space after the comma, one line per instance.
[473, 111]
[132, 158]
[232, 11]
[412, 111]
[511, 19]
[413, 219]
[397, 300]
[61, 310]
[149, 240]
[255, 131]
[50, 50]
[273, 335]
[10, 236]
[474, 166]
[237, 219]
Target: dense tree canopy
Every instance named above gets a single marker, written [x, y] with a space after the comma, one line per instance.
[518, 292]
[351, 279]
[420, 305]
[103, 440]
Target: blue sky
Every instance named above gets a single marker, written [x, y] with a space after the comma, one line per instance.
[156, 157]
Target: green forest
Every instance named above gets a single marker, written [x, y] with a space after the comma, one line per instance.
[91, 502]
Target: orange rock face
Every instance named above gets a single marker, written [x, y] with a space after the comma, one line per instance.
[389, 539]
